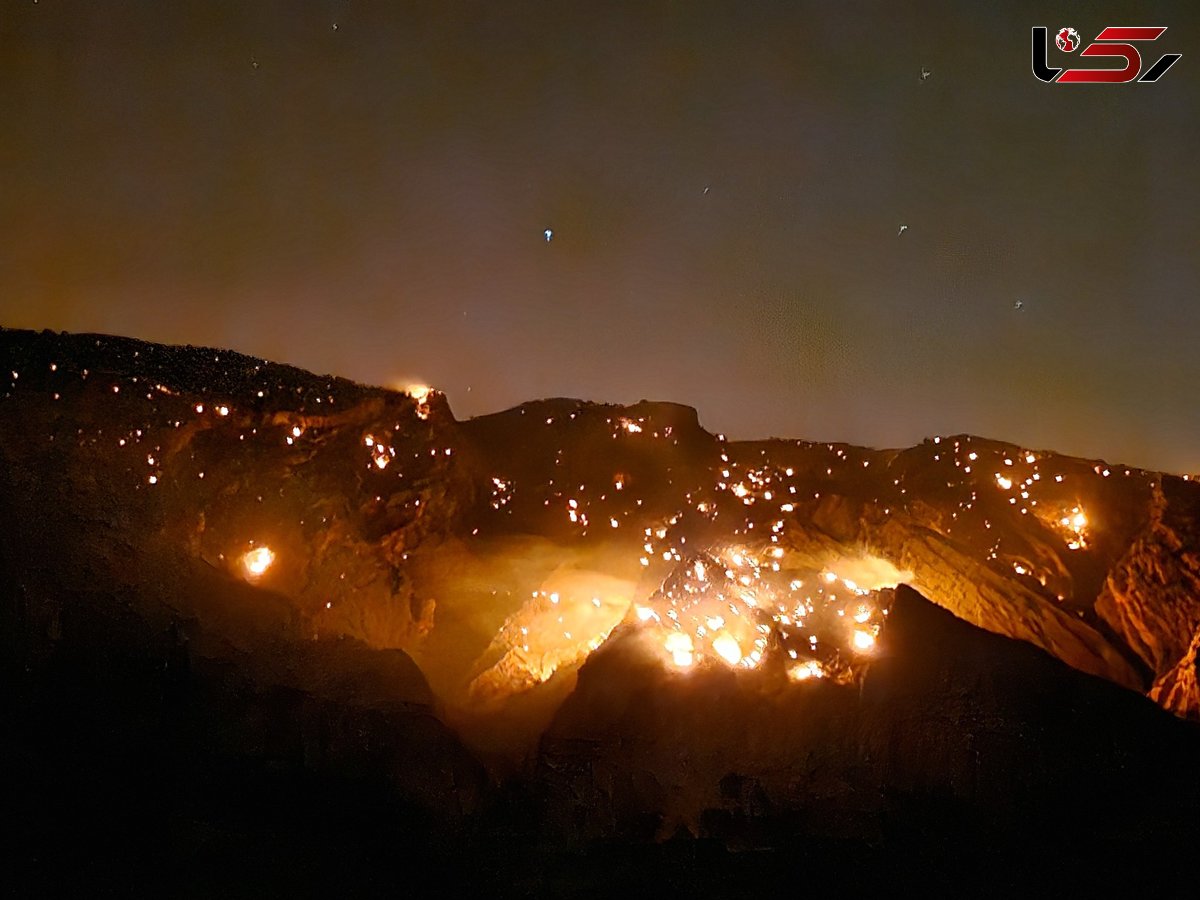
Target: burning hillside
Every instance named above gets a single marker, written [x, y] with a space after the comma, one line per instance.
[387, 567]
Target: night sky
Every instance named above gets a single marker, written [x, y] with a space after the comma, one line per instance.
[725, 183]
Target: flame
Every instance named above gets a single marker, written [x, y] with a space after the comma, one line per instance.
[737, 606]
[679, 645]
[421, 393]
[257, 561]
[1071, 523]
[805, 670]
[727, 648]
[864, 641]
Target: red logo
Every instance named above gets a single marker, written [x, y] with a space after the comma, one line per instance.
[1067, 39]
[1112, 41]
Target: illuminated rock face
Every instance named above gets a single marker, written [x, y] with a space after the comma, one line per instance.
[945, 710]
[388, 521]
[236, 574]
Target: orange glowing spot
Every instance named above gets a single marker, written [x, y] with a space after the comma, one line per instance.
[864, 641]
[257, 561]
[727, 648]
[806, 670]
[679, 645]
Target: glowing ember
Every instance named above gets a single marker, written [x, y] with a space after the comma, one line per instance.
[806, 670]
[679, 645]
[727, 648]
[257, 561]
[736, 607]
[381, 454]
[421, 393]
[864, 641]
[1073, 526]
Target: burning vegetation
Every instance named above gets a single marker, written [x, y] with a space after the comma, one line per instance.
[665, 632]
[393, 523]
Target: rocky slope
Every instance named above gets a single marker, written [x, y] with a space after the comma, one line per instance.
[250, 579]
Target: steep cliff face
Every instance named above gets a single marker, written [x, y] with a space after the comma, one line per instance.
[1151, 597]
[1178, 689]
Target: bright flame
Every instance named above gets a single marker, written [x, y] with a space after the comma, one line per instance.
[864, 641]
[420, 393]
[679, 645]
[257, 561]
[1072, 525]
[727, 648]
[805, 670]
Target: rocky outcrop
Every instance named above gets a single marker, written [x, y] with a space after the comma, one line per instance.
[1151, 597]
[1178, 689]
[995, 730]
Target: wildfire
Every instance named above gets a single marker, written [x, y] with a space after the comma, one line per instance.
[864, 641]
[421, 394]
[381, 454]
[1074, 525]
[737, 607]
[805, 670]
[257, 561]
[679, 645]
[727, 648]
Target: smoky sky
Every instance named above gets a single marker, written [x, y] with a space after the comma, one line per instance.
[725, 183]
